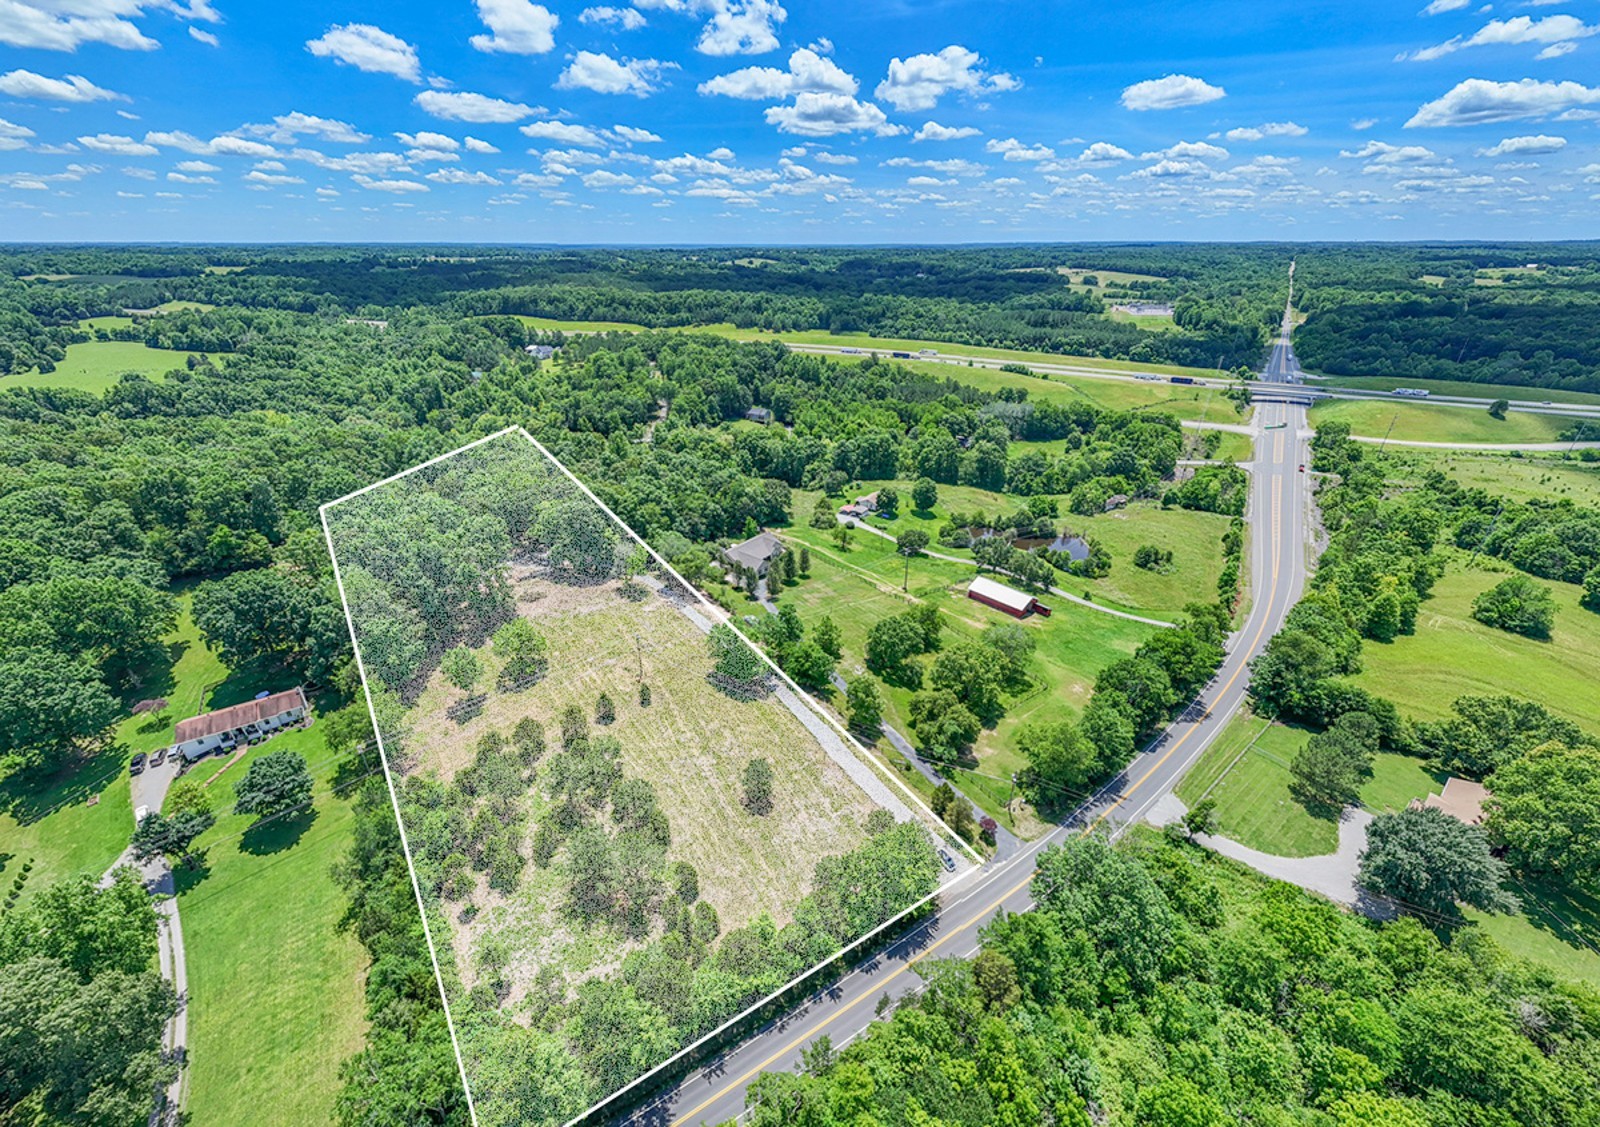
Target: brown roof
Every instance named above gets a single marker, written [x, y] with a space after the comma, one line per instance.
[237, 716]
[1462, 799]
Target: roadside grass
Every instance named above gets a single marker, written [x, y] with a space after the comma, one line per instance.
[1418, 422]
[1547, 477]
[691, 743]
[1156, 397]
[1452, 654]
[95, 366]
[1459, 387]
[275, 989]
[1557, 928]
[1246, 770]
[1234, 447]
[862, 585]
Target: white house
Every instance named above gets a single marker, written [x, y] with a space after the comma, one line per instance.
[241, 723]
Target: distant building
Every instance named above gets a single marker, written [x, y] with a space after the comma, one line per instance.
[1145, 309]
[541, 351]
[368, 322]
[756, 553]
[1016, 603]
[854, 511]
[1116, 501]
[868, 503]
[242, 723]
[760, 415]
[1462, 799]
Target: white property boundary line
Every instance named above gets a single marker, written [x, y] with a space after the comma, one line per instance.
[720, 616]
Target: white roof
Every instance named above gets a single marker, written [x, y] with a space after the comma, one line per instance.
[1000, 593]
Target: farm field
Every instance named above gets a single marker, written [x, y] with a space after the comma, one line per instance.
[861, 585]
[1419, 422]
[95, 366]
[1453, 655]
[1526, 478]
[275, 985]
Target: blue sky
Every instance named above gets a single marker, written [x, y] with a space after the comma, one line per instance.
[753, 121]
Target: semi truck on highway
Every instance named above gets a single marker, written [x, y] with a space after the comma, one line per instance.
[1412, 392]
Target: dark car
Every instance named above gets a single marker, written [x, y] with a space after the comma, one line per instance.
[158, 757]
[137, 765]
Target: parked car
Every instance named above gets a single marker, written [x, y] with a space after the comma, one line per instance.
[949, 861]
[158, 757]
[141, 814]
[137, 765]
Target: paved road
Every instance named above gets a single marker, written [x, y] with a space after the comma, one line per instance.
[846, 1007]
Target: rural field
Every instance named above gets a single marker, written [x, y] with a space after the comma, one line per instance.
[863, 584]
[96, 365]
[1453, 655]
[691, 743]
[1421, 422]
[1545, 477]
[1513, 392]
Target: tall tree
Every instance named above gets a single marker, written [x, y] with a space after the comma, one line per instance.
[1427, 859]
[277, 782]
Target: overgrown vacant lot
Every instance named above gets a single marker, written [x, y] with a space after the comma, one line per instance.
[1429, 422]
[1453, 655]
[691, 743]
[1552, 477]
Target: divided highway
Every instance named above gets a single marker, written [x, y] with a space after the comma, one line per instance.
[844, 1008]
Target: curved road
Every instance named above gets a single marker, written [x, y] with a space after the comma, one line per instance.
[844, 1008]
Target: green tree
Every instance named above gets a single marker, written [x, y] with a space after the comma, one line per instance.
[276, 782]
[522, 649]
[461, 668]
[891, 643]
[808, 664]
[1330, 767]
[1518, 605]
[344, 730]
[822, 514]
[969, 671]
[170, 835]
[263, 612]
[605, 712]
[756, 782]
[1545, 813]
[924, 495]
[805, 559]
[889, 502]
[863, 706]
[1201, 818]
[1498, 409]
[1591, 590]
[733, 657]
[995, 977]
[946, 727]
[1428, 859]
[826, 635]
[911, 542]
[49, 704]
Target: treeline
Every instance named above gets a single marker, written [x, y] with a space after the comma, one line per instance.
[1157, 985]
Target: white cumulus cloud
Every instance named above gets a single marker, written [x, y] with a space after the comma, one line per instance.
[71, 88]
[65, 25]
[461, 176]
[1555, 31]
[628, 19]
[1171, 92]
[1525, 146]
[204, 37]
[290, 127]
[517, 27]
[590, 70]
[635, 136]
[1103, 152]
[1478, 101]
[119, 146]
[741, 27]
[807, 72]
[933, 131]
[825, 115]
[564, 132]
[480, 109]
[1270, 129]
[368, 48]
[918, 82]
[1013, 149]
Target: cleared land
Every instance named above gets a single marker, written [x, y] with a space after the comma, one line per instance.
[692, 743]
[1157, 397]
[1460, 387]
[1417, 422]
[1453, 655]
[95, 366]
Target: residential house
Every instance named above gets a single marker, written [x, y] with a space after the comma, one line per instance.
[756, 553]
[241, 723]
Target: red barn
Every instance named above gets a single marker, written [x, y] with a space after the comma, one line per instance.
[1001, 597]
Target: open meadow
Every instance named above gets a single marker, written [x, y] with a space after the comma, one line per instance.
[1425, 422]
[95, 366]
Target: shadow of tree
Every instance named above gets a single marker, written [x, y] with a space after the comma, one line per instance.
[186, 877]
[277, 834]
[33, 792]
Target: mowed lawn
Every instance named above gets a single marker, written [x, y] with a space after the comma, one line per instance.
[863, 584]
[95, 366]
[1452, 654]
[1422, 422]
[275, 986]
[1247, 772]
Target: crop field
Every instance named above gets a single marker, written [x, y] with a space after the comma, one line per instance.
[1420, 422]
[95, 366]
[1452, 654]
[691, 743]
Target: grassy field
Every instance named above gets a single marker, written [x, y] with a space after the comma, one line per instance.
[275, 992]
[1556, 928]
[692, 744]
[96, 366]
[1419, 422]
[859, 586]
[1530, 477]
[1247, 772]
[1453, 655]
[1460, 387]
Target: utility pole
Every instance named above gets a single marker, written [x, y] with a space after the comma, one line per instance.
[905, 580]
[1385, 443]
